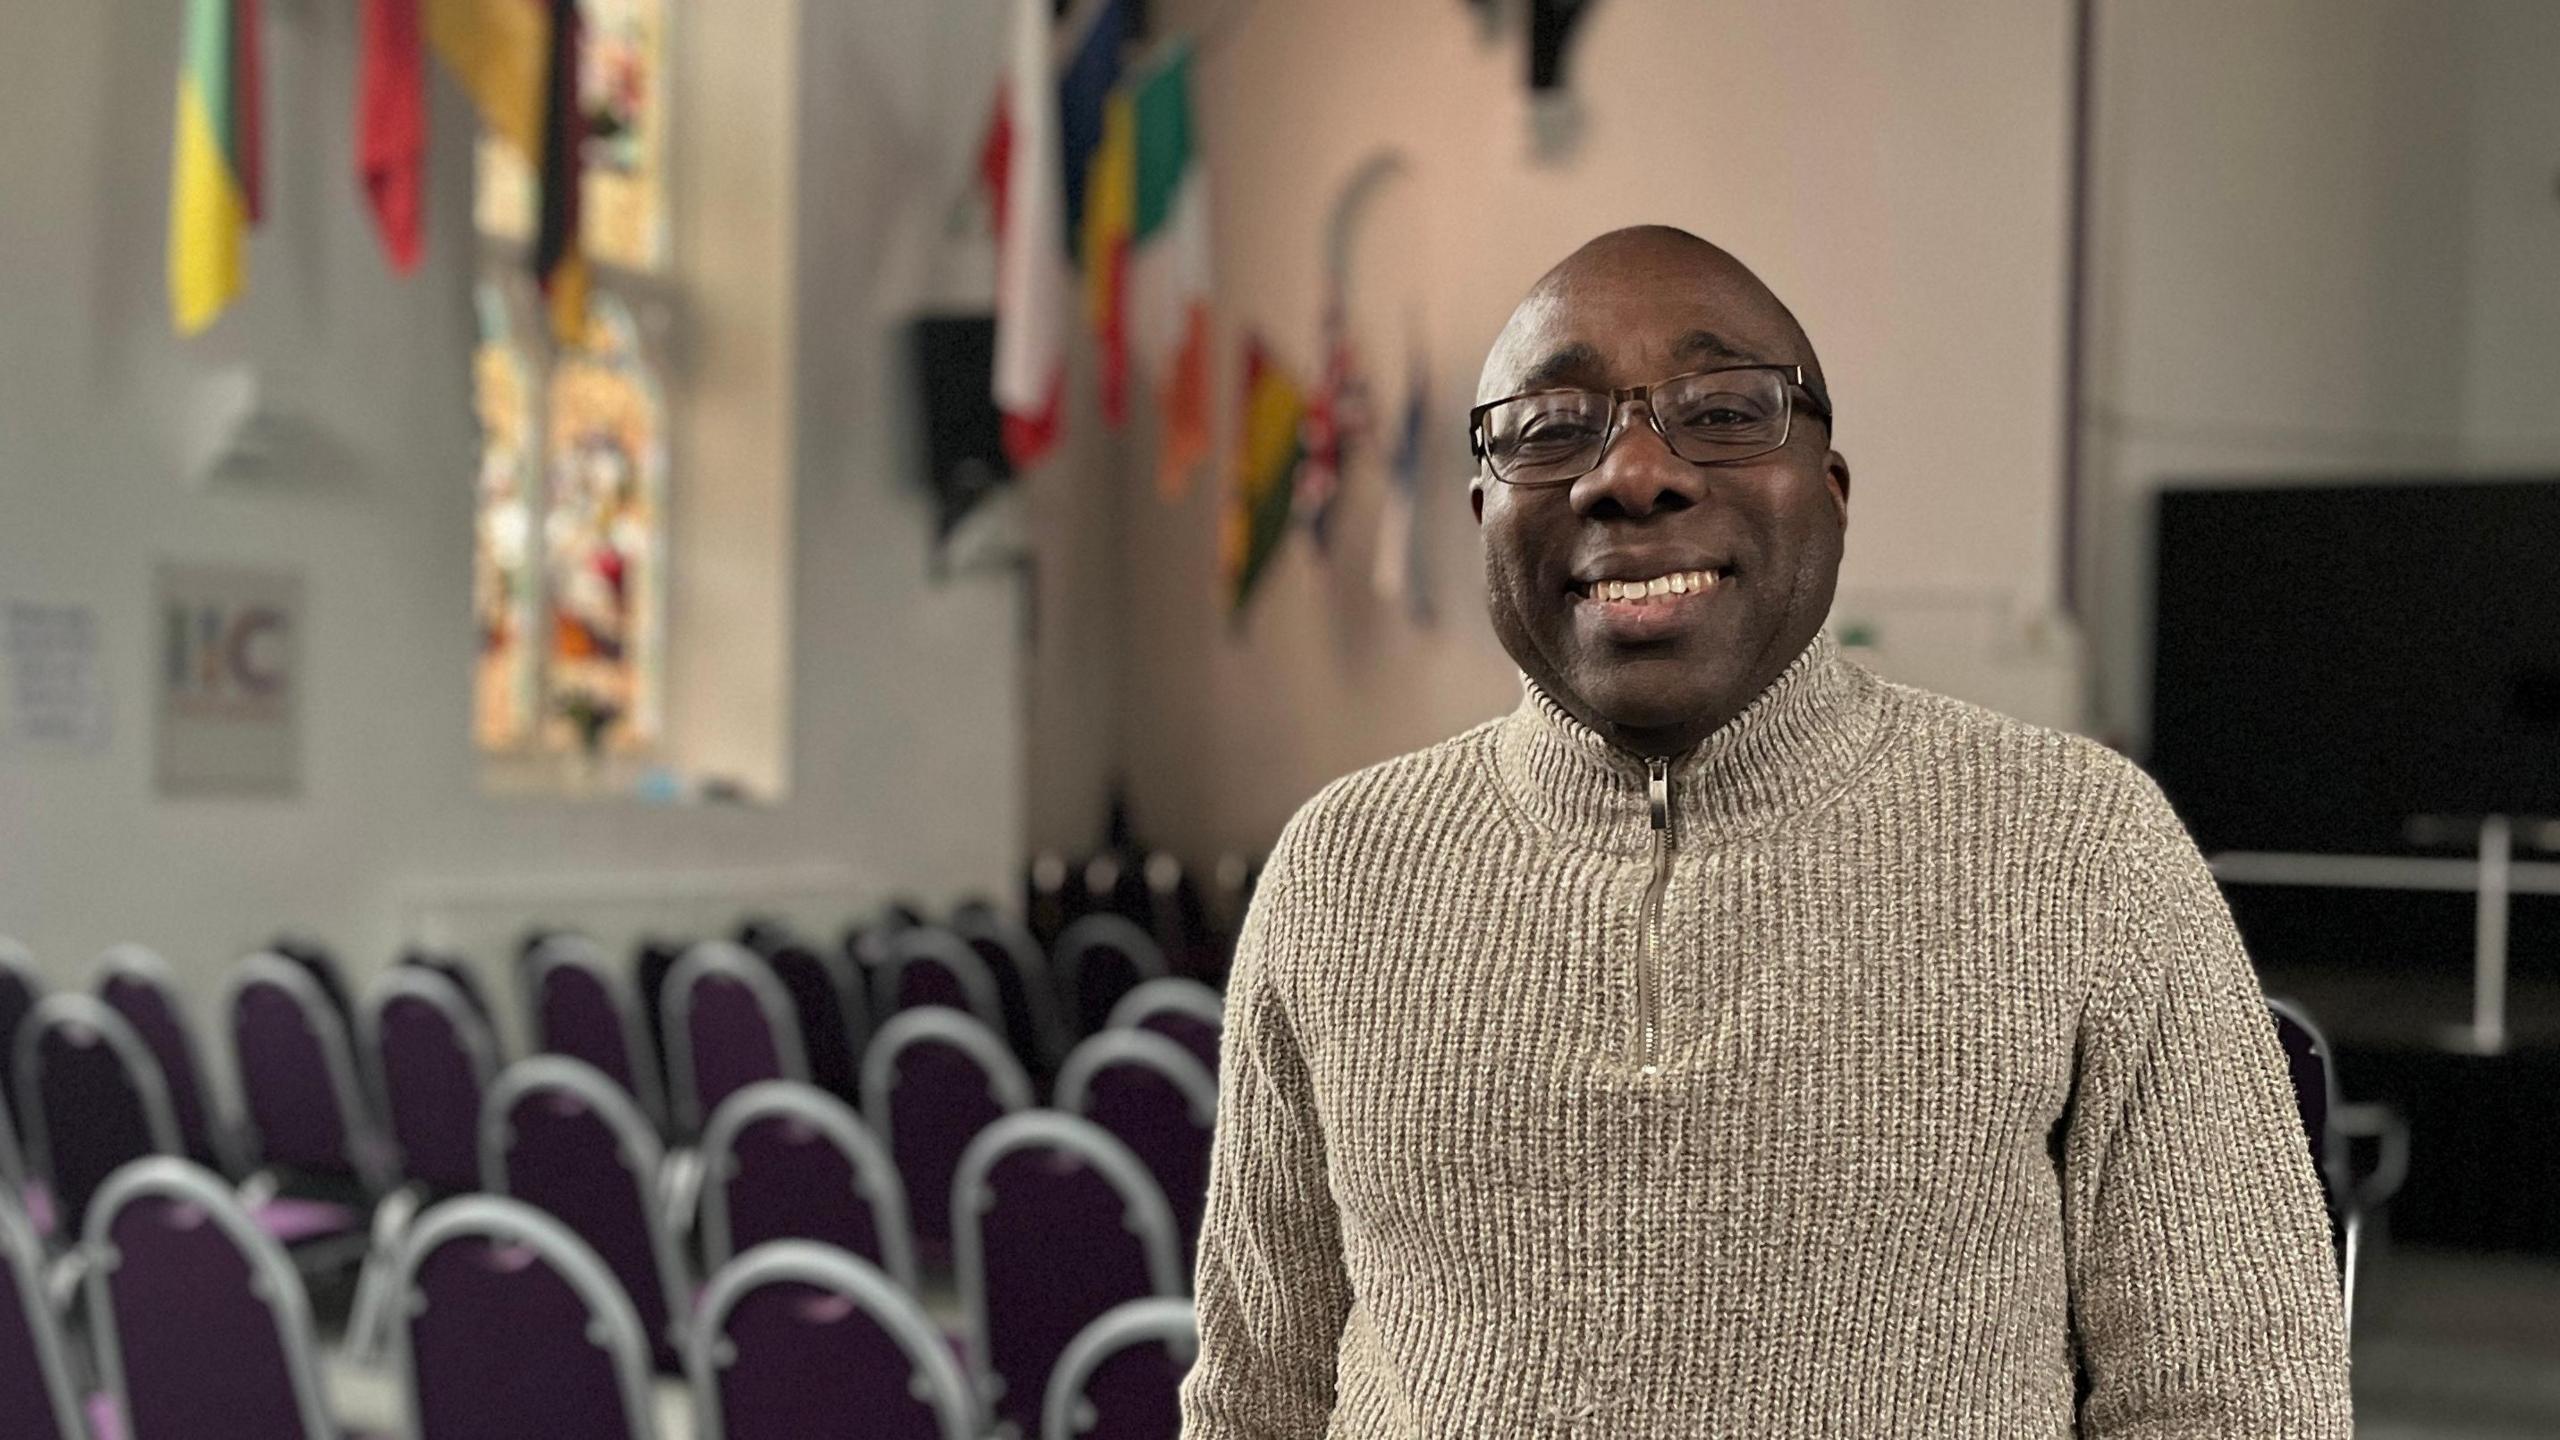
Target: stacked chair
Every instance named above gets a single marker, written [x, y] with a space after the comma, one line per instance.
[942, 1180]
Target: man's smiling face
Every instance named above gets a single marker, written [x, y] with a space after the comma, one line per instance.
[1750, 550]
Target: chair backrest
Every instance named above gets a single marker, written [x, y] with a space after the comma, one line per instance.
[138, 985]
[457, 972]
[200, 1322]
[37, 1401]
[793, 1339]
[729, 1024]
[783, 1161]
[1122, 1375]
[302, 1107]
[1157, 1099]
[1101, 958]
[20, 988]
[828, 997]
[1023, 984]
[929, 965]
[94, 1099]
[514, 1328]
[583, 1008]
[561, 1137]
[2315, 1093]
[432, 1059]
[1179, 1008]
[1053, 1223]
[931, 1081]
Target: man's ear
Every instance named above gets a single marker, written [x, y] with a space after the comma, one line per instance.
[1835, 470]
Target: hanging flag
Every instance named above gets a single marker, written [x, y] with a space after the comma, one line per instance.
[499, 50]
[216, 174]
[559, 254]
[1268, 449]
[1110, 222]
[1399, 574]
[1084, 93]
[1334, 417]
[1170, 274]
[391, 127]
[1025, 192]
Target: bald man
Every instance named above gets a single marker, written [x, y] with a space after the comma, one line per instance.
[1728, 1042]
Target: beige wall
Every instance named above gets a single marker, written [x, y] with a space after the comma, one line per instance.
[1896, 171]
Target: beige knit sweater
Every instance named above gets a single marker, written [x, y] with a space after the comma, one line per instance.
[1912, 1082]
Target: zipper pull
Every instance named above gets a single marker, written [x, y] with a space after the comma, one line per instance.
[1658, 794]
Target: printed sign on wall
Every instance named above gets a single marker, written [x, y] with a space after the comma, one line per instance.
[49, 672]
[230, 684]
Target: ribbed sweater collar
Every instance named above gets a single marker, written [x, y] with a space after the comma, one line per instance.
[1791, 747]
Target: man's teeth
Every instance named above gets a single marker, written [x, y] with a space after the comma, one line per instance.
[1684, 582]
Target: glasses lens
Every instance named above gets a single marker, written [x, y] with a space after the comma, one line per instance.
[1541, 439]
[1724, 414]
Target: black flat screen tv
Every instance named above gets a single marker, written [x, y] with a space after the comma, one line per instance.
[2332, 660]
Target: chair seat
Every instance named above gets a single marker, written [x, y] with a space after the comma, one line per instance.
[292, 1221]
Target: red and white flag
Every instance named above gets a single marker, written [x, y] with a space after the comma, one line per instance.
[1033, 283]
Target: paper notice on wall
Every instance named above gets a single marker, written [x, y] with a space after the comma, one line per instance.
[53, 694]
[230, 681]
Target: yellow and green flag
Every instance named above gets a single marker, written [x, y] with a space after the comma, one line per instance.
[1268, 450]
[215, 181]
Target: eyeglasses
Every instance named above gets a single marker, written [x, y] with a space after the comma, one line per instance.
[1706, 417]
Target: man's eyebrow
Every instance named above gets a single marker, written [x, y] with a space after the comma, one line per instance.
[1708, 345]
[1575, 363]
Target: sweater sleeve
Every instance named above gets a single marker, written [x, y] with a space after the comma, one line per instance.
[2205, 1295]
[1270, 1292]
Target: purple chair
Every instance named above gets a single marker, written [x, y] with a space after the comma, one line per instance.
[564, 1139]
[201, 1326]
[457, 972]
[1154, 1097]
[1122, 1375]
[37, 1401]
[729, 1024]
[137, 984]
[827, 997]
[94, 1099]
[797, 1341]
[2332, 1125]
[1023, 985]
[583, 1009]
[929, 965]
[1054, 1223]
[20, 988]
[1182, 1010]
[303, 1112]
[516, 1331]
[789, 1162]
[432, 1059]
[1101, 958]
[931, 1081]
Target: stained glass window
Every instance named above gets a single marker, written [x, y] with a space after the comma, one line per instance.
[505, 684]
[602, 524]
[622, 191]
[569, 540]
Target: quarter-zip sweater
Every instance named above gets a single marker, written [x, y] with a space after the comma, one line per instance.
[1883, 1067]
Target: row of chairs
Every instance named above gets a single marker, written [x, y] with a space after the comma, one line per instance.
[511, 1328]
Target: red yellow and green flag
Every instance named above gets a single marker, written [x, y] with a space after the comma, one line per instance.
[216, 179]
[1268, 449]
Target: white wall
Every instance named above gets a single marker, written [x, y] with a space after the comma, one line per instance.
[1896, 172]
[906, 752]
[2323, 245]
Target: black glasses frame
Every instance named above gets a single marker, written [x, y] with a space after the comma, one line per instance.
[1793, 375]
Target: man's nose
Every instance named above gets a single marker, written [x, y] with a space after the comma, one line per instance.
[1637, 474]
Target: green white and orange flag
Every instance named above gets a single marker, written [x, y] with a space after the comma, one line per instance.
[1169, 274]
[1268, 450]
[215, 181]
